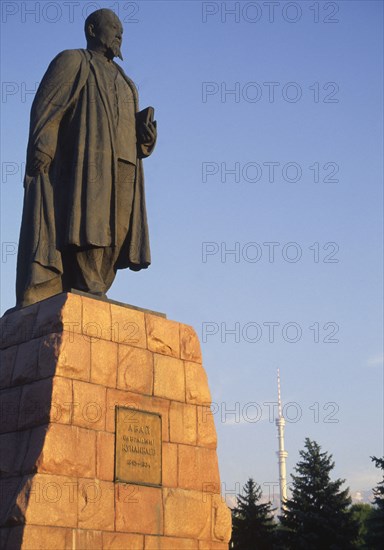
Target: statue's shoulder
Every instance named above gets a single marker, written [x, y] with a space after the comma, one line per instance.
[71, 58]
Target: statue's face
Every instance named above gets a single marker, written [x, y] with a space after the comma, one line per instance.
[110, 35]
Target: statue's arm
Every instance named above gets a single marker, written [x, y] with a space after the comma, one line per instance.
[146, 139]
[59, 88]
[146, 134]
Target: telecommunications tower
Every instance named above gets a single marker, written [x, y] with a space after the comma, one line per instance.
[281, 453]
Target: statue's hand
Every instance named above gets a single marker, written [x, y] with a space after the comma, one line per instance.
[148, 133]
[39, 164]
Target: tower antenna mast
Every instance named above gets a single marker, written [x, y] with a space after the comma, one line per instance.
[281, 453]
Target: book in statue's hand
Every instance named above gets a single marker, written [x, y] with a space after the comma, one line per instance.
[145, 116]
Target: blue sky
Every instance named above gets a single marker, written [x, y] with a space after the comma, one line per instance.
[302, 134]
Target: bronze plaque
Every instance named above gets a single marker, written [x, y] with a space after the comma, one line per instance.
[138, 447]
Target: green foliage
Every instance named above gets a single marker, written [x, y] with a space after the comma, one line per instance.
[375, 523]
[362, 514]
[318, 516]
[379, 489]
[253, 523]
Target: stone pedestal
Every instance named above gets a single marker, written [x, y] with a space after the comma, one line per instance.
[66, 364]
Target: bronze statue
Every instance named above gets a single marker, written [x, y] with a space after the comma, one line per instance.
[84, 212]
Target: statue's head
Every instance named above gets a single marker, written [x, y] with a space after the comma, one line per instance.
[104, 33]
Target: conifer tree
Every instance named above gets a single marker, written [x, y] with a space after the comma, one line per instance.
[317, 516]
[362, 513]
[375, 535]
[253, 523]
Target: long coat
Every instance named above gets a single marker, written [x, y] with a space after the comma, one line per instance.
[75, 203]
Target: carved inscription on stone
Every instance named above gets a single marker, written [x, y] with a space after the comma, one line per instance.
[138, 447]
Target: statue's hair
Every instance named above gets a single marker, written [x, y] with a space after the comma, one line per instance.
[94, 18]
